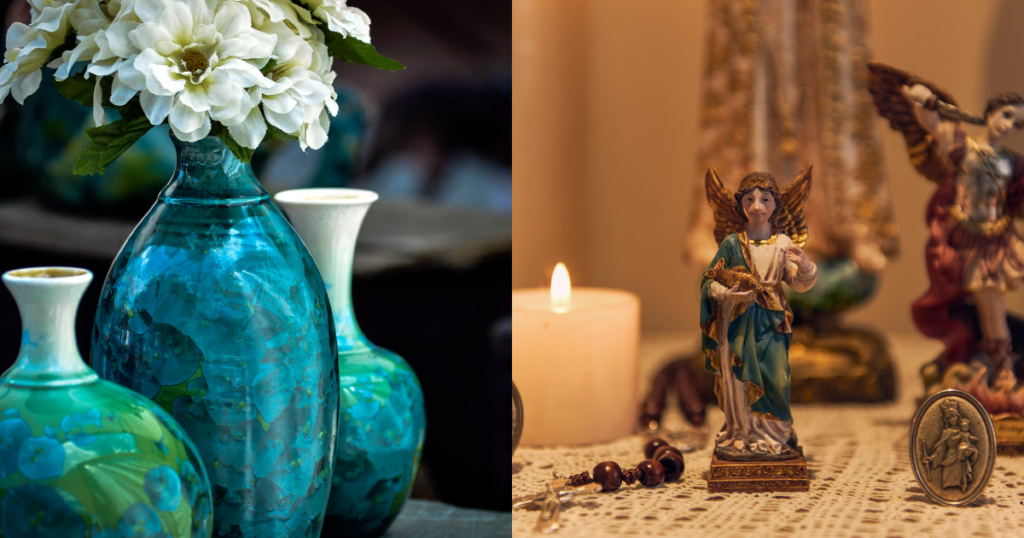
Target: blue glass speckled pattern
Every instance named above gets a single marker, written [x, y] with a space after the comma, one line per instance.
[380, 439]
[383, 422]
[80, 456]
[216, 311]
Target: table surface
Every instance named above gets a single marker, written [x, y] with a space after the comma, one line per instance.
[430, 519]
[858, 459]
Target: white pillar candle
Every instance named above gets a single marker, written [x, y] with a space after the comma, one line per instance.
[574, 360]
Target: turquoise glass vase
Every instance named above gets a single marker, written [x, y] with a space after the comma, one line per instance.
[80, 456]
[216, 311]
[380, 438]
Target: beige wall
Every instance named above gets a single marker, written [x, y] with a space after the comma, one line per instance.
[605, 119]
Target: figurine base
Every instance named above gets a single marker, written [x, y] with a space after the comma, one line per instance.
[758, 476]
[1009, 435]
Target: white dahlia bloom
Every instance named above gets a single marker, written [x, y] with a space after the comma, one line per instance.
[101, 43]
[341, 18]
[266, 13]
[29, 46]
[302, 89]
[199, 59]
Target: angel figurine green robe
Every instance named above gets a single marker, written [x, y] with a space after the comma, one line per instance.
[746, 322]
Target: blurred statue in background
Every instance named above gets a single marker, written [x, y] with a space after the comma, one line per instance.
[785, 83]
[974, 253]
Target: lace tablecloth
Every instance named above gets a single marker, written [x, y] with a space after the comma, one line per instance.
[858, 459]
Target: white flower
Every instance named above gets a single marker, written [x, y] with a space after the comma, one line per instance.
[91, 25]
[197, 62]
[340, 18]
[28, 48]
[265, 12]
[302, 89]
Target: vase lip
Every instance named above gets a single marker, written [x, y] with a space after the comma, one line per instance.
[48, 276]
[326, 197]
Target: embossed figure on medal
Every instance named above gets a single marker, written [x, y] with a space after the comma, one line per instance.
[952, 447]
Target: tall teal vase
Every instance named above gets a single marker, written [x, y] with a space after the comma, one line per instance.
[216, 311]
[80, 456]
[380, 438]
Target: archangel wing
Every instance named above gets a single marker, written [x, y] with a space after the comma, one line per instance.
[886, 86]
[723, 206]
[790, 220]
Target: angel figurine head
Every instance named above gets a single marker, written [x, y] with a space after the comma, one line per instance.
[1004, 115]
[758, 199]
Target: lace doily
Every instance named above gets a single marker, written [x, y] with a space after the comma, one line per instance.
[858, 459]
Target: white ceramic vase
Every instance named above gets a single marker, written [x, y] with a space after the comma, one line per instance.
[382, 420]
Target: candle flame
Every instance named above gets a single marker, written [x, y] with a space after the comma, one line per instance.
[561, 289]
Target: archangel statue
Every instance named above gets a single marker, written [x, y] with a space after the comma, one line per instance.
[745, 320]
[974, 253]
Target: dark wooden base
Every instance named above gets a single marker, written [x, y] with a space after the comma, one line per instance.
[758, 476]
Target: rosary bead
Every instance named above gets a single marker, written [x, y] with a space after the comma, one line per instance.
[662, 450]
[652, 445]
[609, 475]
[652, 473]
[673, 464]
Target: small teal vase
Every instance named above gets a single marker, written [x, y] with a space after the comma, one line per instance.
[380, 438]
[216, 311]
[80, 456]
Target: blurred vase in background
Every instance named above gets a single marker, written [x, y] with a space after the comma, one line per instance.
[80, 456]
[51, 136]
[383, 423]
[216, 311]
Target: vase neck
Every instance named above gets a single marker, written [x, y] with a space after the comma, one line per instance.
[48, 298]
[328, 221]
[207, 173]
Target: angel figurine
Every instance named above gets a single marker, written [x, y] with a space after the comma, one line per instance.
[746, 322]
[974, 253]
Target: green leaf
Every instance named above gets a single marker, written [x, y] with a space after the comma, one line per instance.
[355, 51]
[270, 65]
[109, 142]
[80, 90]
[243, 153]
[77, 88]
[274, 132]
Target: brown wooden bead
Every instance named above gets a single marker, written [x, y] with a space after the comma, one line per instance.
[652, 473]
[609, 475]
[673, 464]
[652, 445]
[661, 451]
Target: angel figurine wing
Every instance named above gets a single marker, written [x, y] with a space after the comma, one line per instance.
[791, 220]
[723, 206]
[886, 86]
